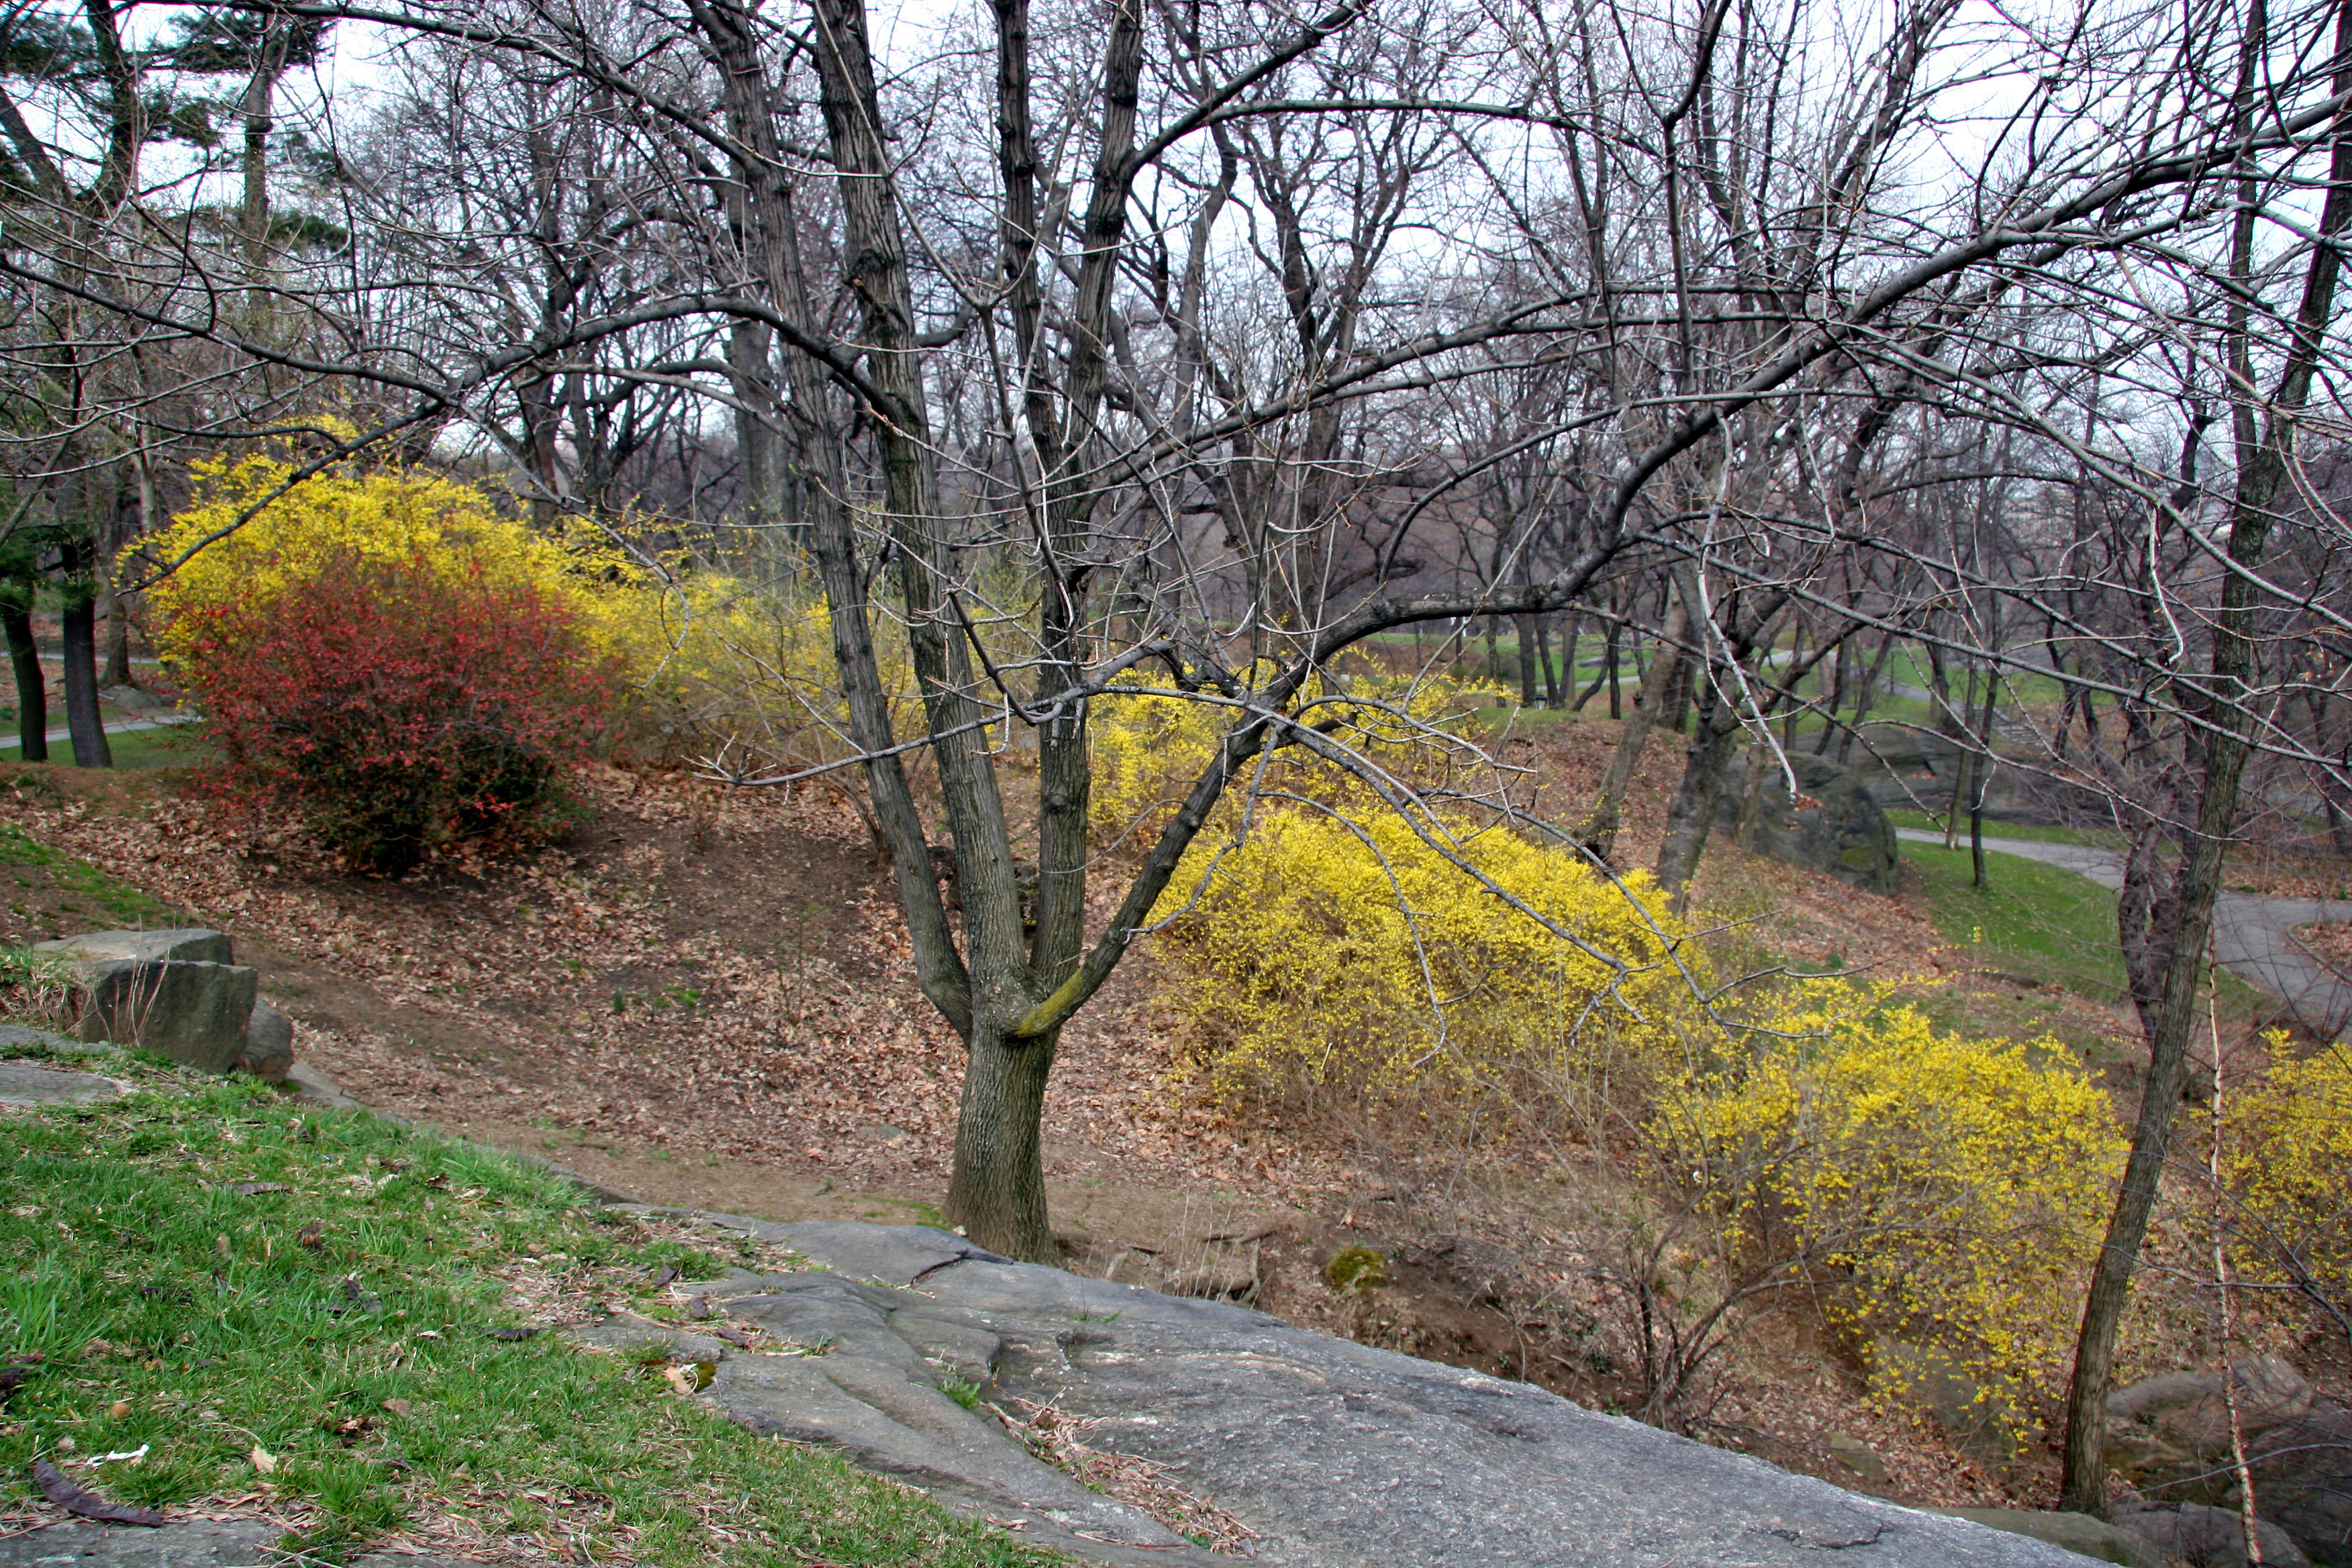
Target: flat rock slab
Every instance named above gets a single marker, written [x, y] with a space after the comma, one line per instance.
[183, 1543]
[21, 1083]
[1337, 1455]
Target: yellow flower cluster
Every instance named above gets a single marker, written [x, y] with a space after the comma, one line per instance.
[718, 665]
[1351, 952]
[1146, 749]
[407, 519]
[1937, 1191]
[2288, 1159]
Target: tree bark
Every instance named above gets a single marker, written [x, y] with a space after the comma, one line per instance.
[1598, 832]
[1691, 817]
[79, 657]
[25, 654]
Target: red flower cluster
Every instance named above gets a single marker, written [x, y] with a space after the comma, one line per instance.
[395, 710]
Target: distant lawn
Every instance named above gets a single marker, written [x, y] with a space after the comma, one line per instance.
[2038, 922]
[315, 1304]
[2103, 838]
[169, 746]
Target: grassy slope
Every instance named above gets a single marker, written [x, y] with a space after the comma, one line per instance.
[36, 878]
[171, 1311]
[2042, 921]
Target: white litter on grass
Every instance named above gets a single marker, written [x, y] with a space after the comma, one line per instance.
[131, 1456]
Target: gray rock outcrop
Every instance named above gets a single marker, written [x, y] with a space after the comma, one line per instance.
[2170, 1436]
[1336, 1454]
[2196, 1536]
[1839, 828]
[2077, 1532]
[22, 1083]
[179, 993]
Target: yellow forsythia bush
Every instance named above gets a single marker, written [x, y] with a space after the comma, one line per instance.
[405, 519]
[715, 665]
[2289, 1161]
[1147, 748]
[1933, 1189]
[1350, 955]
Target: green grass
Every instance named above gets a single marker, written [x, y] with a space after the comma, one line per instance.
[2029, 832]
[2041, 923]
[172, 746]
[169, 1311]
[116, 901]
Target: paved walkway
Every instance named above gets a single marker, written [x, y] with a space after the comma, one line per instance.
[2253, 936]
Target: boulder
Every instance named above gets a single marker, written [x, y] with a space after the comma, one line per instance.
[2196, 1536]
[267, 1049]
[1858, 1456]
[2077, 1532]
[2169, 1436]
[1837, 828]
[192, 1012]
[179, 993]
[192, 944]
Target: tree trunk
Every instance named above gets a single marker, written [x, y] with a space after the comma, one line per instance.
[79, 657]
[25, 654]
[2261, 472]
[1680, 687]
[1527, 628]
[1616, 698]
[1691, 817]
[1598, 833]
[1608, 676]
[1980, 780]
[997, 1191]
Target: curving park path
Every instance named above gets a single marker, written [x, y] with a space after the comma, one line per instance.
[2253, 937]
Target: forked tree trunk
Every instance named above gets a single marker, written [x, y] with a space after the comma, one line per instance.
[1691, 817]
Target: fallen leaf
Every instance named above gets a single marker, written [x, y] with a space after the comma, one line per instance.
[665, 1276]
[699, 1308]
[119, 1409]
[87, 1504]
[512, 1333]
[263, 1459]
[397, 1406]
[255, 1189]
[310, 1235]
[12, 1378]
[735, 1337]
[691, 1378]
